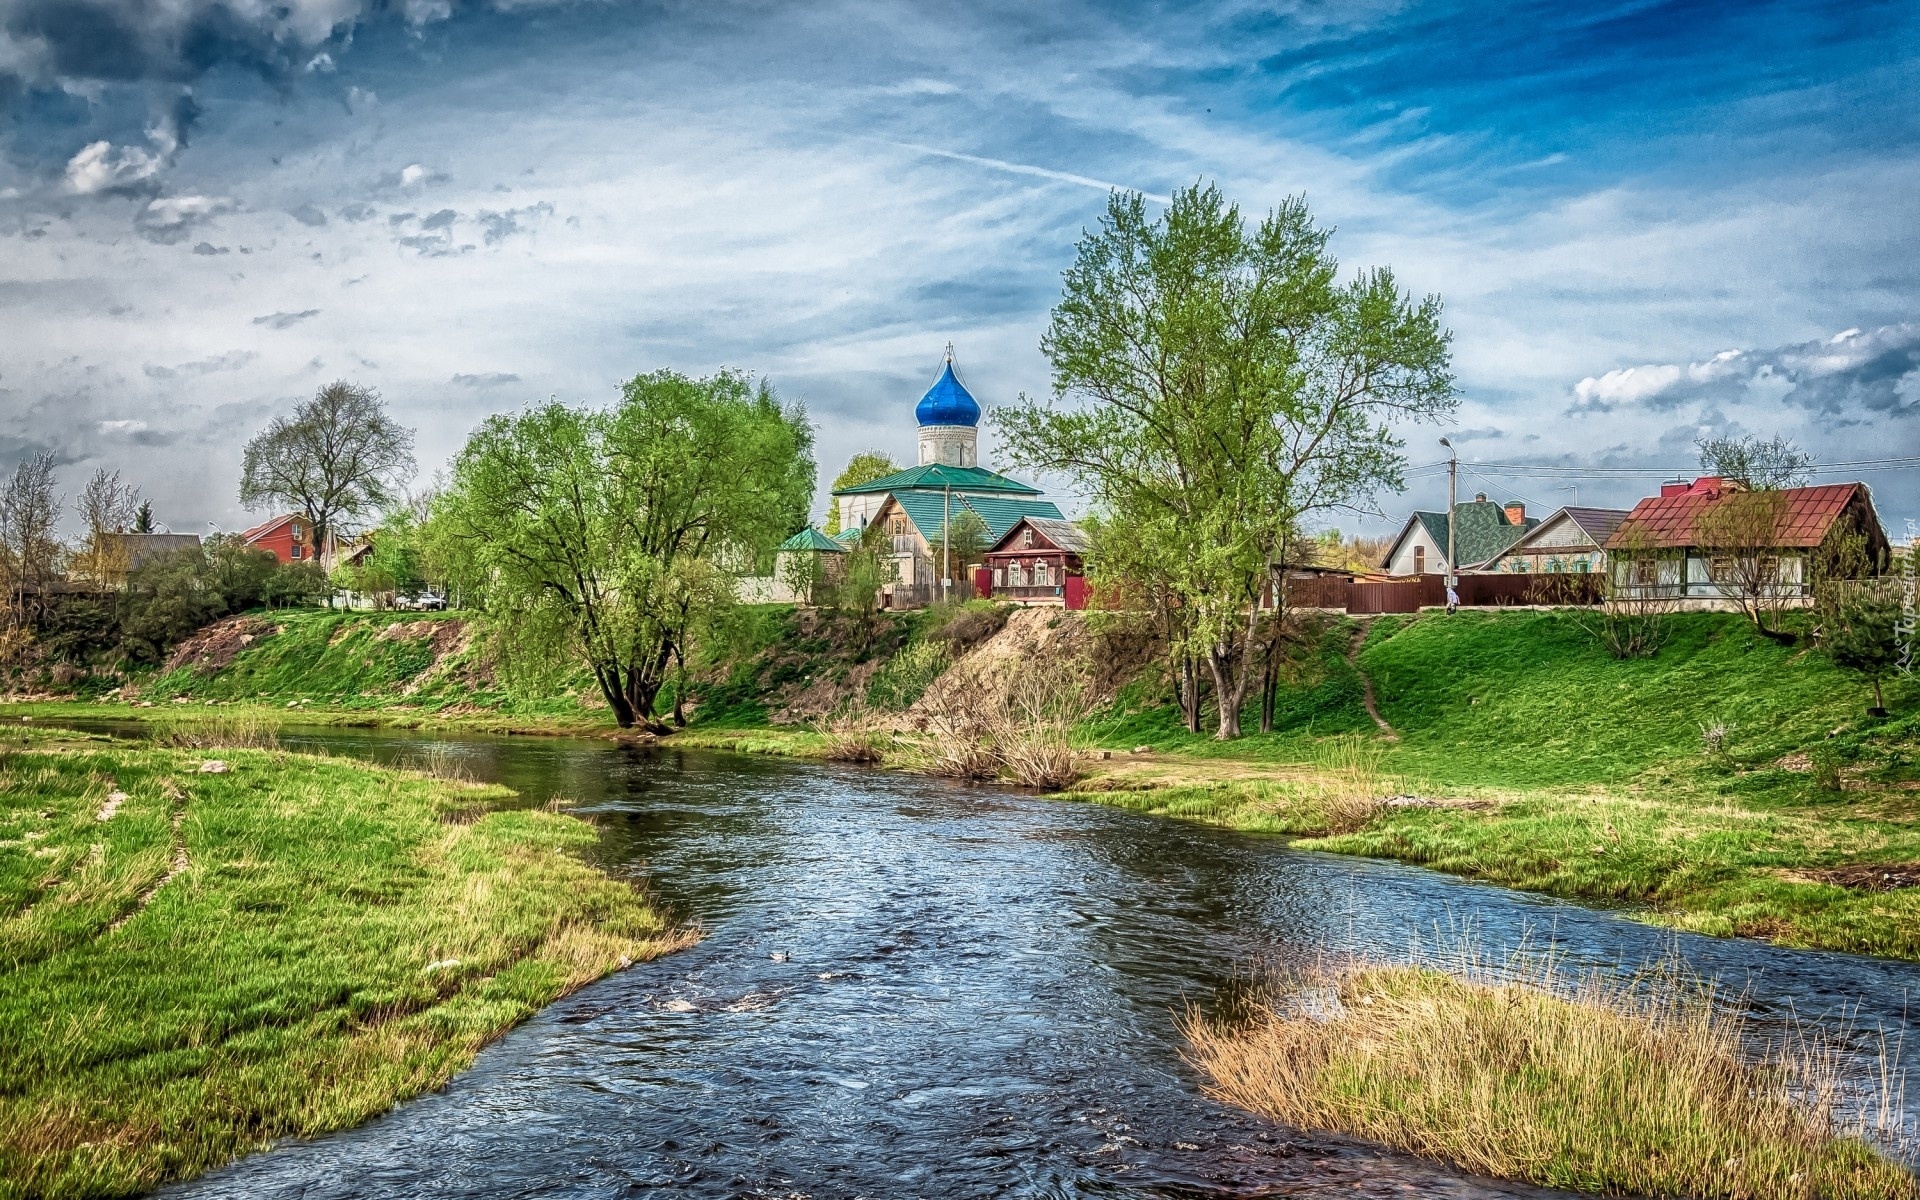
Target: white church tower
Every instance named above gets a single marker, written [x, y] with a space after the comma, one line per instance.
[949, 422]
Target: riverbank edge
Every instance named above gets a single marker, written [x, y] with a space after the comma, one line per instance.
[518, 919]
[1621, 848]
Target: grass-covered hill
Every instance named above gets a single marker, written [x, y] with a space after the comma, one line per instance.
[1530, 698]
[429, 663]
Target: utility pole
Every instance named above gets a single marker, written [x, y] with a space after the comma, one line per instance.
[1453, 473]
[946, 527]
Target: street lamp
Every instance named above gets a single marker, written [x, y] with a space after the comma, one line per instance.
[1453, 471]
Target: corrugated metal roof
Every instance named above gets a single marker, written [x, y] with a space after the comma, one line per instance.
[1062, 533]
[939, 476]
[1002, 513]
[1596, 523]
[1667, 522]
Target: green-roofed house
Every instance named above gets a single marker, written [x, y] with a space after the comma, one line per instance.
[1484, 531]
[912, 508]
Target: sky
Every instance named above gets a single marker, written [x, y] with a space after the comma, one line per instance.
[1648, 222]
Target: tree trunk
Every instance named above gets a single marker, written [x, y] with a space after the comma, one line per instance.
[679, 688]
[1229, 692]
[607, 678]
[1189, 693]
[1269, 684]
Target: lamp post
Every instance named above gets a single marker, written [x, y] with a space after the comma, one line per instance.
[1453, 471]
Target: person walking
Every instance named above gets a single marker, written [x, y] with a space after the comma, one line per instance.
[1453, 599]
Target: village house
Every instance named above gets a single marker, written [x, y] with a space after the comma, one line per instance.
[1705, 543]
[1482, 532]
[288, 537]
[914, 507]
[1039, 561]
[1571, 541]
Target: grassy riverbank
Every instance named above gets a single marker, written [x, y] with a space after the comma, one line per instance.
[1536, 760]
[1649, 1091]
[194, 964]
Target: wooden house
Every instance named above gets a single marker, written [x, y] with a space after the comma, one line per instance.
[1040, 560]
[1572, 541]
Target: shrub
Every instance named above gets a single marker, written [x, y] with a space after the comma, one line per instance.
[905, 676]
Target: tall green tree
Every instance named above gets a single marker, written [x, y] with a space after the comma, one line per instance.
[864, 467]
[597, 536]
[1215, 385]
[338, 456]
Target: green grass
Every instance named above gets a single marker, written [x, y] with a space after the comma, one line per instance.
[284, 949]
[362, 661]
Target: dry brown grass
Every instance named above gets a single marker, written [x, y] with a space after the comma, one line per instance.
[849, 735]
[1647, 1088]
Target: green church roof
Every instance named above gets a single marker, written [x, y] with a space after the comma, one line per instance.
[940, 476]
[998, 513]
[812, 539]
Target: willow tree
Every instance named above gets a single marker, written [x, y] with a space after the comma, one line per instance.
[1214, 386]
[603, 537]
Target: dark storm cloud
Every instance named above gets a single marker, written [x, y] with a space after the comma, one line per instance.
[286, 320]
[232, 360]
[308, 214]
[492, 379]
[132, 41]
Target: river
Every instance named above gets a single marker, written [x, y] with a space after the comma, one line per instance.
[913, 988]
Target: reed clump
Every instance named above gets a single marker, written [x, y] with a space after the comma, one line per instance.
[848, 735]
[1647, 1087]
[1354, 783]
[1017, 724]
[238, 731]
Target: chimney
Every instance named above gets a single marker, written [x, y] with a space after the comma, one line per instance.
[1673, 487]
[1479, 497]
[1516, 512]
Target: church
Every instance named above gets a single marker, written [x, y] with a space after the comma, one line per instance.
[913, 507]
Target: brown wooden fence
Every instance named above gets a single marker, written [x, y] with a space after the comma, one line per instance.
[1427, 591]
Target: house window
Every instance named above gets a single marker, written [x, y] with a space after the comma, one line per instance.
[899, 526]
[296, 550]
[1026, 540]
[1645, 572]
[1582, 566]
[999, 577]
[1720, 568]
[1041, 576]
[1419, 560]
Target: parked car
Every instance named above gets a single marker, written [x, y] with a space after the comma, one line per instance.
[420, 602]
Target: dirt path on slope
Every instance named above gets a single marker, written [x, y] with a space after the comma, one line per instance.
[1366, 684]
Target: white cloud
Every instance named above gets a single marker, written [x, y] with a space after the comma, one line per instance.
[412, 174]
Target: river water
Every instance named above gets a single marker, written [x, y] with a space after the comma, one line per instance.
[911, 988]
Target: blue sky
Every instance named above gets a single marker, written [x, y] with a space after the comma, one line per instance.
[1646, 220]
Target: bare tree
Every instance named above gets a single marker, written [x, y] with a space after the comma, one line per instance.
[29, 549]
[108, 508]
[1755, 464]
[1740, 536]
[337, 457]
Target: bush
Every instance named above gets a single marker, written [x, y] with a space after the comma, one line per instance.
[175, 594]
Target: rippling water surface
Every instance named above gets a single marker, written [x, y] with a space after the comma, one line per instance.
[911, 988]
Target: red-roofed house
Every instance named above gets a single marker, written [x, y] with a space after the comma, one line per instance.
[289, 537]
[1709, 541]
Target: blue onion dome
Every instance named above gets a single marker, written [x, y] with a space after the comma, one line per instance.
[947, 402]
